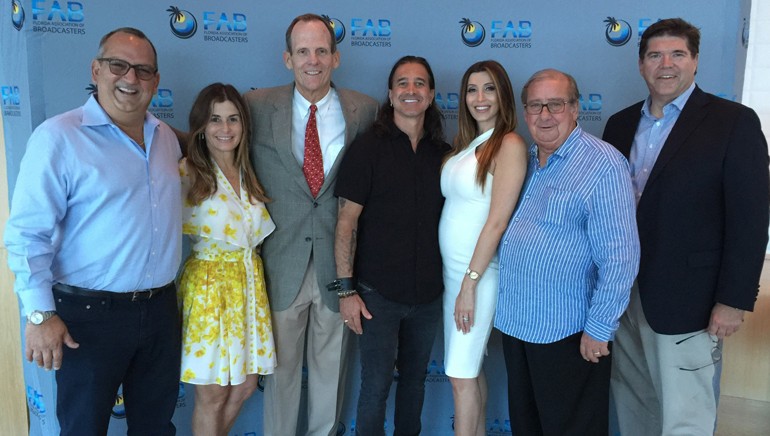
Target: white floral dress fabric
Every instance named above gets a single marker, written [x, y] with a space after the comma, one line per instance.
[226, 328]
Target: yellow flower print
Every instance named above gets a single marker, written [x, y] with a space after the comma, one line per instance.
[200, 353]
[229, 231]
[237, 216]
[189, 229]
[223, 197]
[212, 211]
[206, 229]
[188, 375]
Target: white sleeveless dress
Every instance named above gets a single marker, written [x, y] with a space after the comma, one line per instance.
[464, 214]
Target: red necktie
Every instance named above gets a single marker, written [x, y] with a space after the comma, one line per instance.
[313, 166]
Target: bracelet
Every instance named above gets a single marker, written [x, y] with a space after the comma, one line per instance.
[344, 284]
[346, 294]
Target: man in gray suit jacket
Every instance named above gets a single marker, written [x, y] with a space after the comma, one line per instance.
[299, 255]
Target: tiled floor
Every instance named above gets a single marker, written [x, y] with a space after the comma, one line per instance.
[741, 417]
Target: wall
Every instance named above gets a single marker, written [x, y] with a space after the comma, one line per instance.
[13, 410]
[45, 72]
[747, 355]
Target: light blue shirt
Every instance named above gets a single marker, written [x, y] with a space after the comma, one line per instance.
[571, 250]
[92, 209]
[650, 136]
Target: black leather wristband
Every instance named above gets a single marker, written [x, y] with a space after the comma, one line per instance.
[342, 285]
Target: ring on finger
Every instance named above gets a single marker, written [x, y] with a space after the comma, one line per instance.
[346, 321]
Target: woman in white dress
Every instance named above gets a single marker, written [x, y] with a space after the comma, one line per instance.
[481, 181]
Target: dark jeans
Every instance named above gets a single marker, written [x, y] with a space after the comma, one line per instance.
[553, 391]
[399, 334]
[133, 343]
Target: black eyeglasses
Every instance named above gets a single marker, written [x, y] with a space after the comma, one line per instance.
[554, 106]
[120, 67]
[716, 352]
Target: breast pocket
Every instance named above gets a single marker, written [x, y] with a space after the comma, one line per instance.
[560, 207]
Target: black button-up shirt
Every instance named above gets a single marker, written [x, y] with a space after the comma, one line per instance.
[397, 248]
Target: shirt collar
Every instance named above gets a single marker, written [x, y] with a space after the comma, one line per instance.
[678, 102]
[302, 105]
[565, 148]
[95, 115]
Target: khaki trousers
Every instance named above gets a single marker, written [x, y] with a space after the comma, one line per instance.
[307, 323]
[664, 384]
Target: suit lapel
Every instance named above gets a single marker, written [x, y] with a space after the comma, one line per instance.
[281, 121]
[691, 117]
[627, 131]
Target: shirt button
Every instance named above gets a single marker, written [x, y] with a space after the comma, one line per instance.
[516, 219]
[307, 239]
[315, 204]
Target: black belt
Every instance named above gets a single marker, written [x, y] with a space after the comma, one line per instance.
[138, 295]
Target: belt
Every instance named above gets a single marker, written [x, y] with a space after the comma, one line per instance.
[137, 295]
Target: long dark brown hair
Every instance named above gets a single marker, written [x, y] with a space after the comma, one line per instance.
[434, 120]
[504, 123]
[203, 179]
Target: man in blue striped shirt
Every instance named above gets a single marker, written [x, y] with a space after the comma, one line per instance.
[567, 263]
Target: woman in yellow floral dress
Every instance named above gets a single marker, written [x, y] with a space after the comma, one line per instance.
[227, 338]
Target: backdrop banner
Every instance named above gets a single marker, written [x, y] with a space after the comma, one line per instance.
[47, 47]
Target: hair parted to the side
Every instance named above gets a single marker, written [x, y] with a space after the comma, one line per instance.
[203, 180]
[504, 123]
[306, 18]
[671, 27]
[434, 119]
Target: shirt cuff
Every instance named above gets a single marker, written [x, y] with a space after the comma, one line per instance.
[35, 299]
[600, 331]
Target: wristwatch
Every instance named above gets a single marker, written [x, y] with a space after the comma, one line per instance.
[38, 317]
[473, 275]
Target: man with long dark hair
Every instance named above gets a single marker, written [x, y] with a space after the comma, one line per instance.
[386, 247]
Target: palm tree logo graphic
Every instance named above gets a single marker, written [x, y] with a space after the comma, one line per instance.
[183, 23]
[471, 32]
[17, 16]
[337, 26]
[617, 32]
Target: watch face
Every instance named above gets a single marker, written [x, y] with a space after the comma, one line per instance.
[36, 317]
[474, 275]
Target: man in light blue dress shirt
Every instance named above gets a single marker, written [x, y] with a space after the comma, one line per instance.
[94, 238]
[567, 262]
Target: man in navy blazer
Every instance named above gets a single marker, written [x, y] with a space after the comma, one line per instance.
[699, 166]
